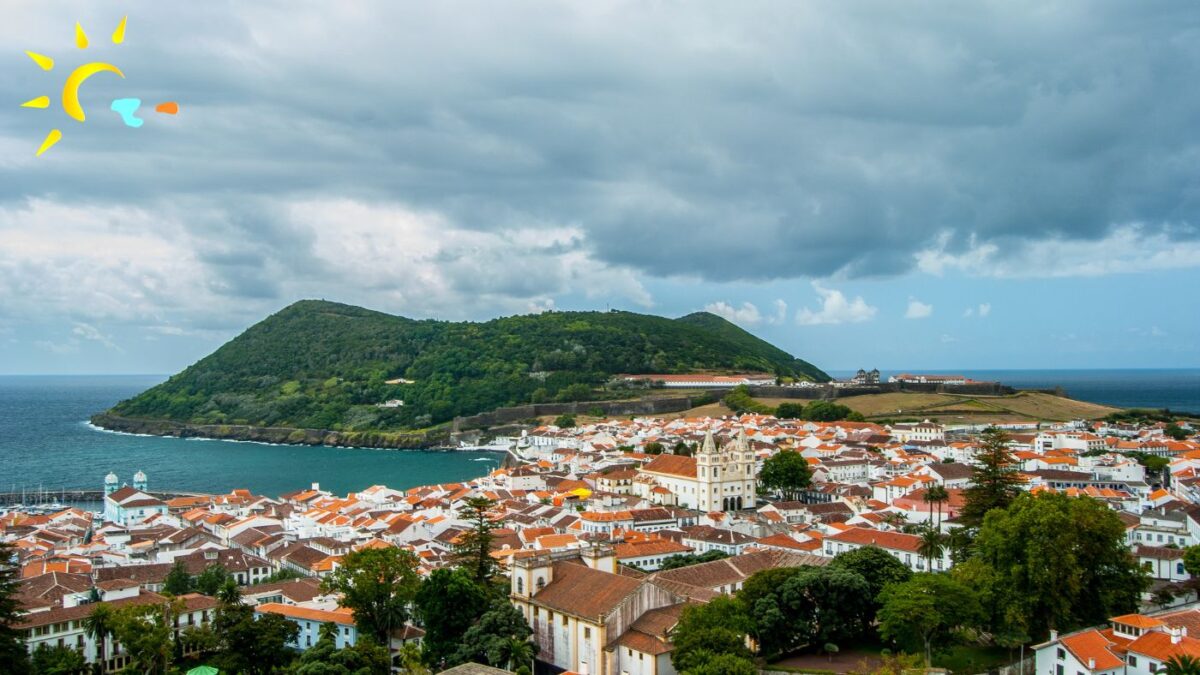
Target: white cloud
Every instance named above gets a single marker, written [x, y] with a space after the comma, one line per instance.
[93, 334]
[1125, 249]
[982, 311]
[746, 314]
[948, 339]
[185, 274]
[781, 309]
[918, 310]
[835, 309]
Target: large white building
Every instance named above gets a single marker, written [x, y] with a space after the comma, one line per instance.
[713, 480]
[130, 505]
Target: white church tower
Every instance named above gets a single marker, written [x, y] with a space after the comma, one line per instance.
[110, 483]
[139, 481]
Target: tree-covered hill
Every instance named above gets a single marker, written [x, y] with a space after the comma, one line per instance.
[325, 365]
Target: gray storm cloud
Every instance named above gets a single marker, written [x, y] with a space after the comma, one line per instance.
[729, 141]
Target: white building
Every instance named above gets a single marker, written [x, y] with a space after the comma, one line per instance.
[130, 505]
[713, 480]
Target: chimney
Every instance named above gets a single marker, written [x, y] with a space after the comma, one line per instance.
[316, 487]
[1053, 635]
[1091, 664]
[1175, 636]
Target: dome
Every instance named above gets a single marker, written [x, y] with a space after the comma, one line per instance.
[111, 478]
[139, 477]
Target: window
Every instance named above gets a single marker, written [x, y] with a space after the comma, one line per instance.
[1058, 670]
[520, 586]
[1133, 660]
[587, 633]
[1062, 654]
[564, 619]
[1179, 568]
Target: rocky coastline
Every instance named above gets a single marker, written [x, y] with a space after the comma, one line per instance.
[279, 435]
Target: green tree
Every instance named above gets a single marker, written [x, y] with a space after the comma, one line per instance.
[379, 584]
[995, 482]
[790, 411]
[448, 603]
[1191, 561]
[653, 448]
[827, 411]
[1181, 664]
[212, 579]
[99, 627]
[687, 559]
[786, 472]
[876, 566]
[724, 664]
[811, 606]
[492, 638]
[178, 581]
[13, 656]
[739, 400]
[249, 645]
[708, 632]
[937, 495]
[564, 421]
[1058, 562]
[473, 550]
[57, 660]
[283, 574]
[933, 543]
[926, 612]
[1175, 432]
[146, 634]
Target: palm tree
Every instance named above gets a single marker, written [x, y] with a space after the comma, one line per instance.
[1181, 664]
[519, 652]
[99, 627]
[932, 545]
[937, 495]
[229, 594]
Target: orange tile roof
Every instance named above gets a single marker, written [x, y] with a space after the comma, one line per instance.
[1091, 644]
[341, 615]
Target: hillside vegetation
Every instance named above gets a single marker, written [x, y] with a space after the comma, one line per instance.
[325, 365]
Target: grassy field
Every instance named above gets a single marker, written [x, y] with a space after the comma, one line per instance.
[944, 408]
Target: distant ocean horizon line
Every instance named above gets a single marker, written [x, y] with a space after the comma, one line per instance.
[906, 369]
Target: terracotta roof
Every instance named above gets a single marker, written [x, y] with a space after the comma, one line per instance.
[1091, 644]
[674, 465]
[341, 616]
[862, 536]
[584, 592]
[1158, 645]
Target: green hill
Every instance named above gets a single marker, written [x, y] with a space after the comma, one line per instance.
[325, 365]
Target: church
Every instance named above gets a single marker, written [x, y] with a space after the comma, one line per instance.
[713, 480]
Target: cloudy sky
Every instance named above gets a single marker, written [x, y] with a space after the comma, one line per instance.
[902, 185]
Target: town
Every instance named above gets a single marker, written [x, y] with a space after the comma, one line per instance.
[631, 545]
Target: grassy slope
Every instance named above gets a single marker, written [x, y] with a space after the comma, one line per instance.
[319, 364]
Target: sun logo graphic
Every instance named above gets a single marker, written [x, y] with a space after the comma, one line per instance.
[127, 108]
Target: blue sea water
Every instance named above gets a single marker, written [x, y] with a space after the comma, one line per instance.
[1176, 389]
[46, 443]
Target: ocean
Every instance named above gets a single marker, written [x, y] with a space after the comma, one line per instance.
[1176, 389]
[46, 443]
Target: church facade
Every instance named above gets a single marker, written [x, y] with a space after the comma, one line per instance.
[716, 479]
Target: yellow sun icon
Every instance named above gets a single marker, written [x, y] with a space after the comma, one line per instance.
[70, 92]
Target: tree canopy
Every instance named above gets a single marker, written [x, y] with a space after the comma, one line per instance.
[995, 482]
[1057, 562]
[785, 472]
[924, 613]
[876, 566]
[379, 584]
